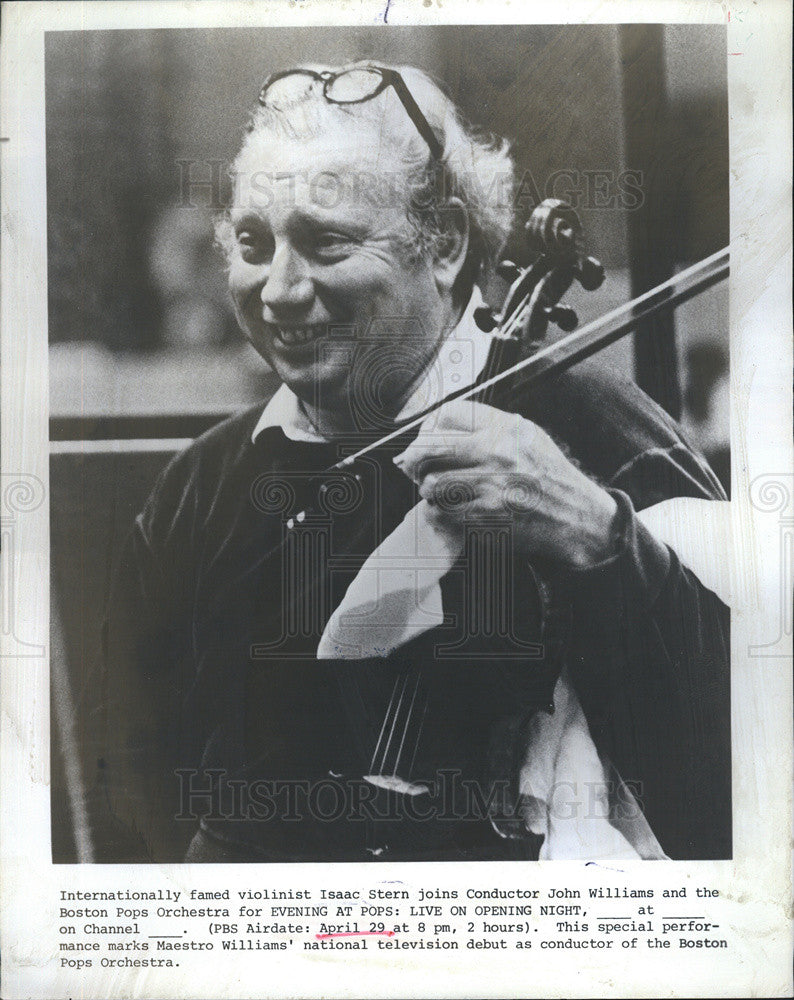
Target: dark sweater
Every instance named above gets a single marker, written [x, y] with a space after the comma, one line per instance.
[209, 658]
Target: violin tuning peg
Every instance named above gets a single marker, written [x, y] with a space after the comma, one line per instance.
[485, 319]
[507, 270]
[565, 317]
[590, 273]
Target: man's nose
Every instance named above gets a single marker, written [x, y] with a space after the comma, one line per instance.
[287, 286]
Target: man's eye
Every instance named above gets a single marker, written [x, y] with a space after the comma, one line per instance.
[331, 244]
[253, 248]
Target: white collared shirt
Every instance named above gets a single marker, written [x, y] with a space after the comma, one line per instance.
[458, 363]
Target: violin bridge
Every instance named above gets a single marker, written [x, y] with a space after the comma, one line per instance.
[393, 783]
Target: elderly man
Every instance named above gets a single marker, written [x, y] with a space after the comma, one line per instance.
[549, 680]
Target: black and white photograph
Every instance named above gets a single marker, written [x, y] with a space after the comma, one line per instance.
[366, 615]
[397, 500]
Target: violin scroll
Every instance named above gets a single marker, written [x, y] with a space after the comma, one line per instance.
[554, 233]
[553, 226]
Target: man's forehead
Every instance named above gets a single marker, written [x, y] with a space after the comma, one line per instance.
[339, 147]
[321, 171]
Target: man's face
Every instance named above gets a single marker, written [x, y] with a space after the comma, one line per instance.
[316, 259]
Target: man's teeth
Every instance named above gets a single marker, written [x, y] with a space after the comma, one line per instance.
[297, 335]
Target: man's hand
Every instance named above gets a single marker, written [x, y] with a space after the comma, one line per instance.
[474, 462]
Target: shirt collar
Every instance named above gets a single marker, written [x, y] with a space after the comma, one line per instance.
[461, 359]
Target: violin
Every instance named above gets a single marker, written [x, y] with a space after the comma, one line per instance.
[519, 360]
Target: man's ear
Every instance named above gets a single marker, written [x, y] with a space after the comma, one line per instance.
[452, 245]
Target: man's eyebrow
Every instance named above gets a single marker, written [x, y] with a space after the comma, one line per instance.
[240, 216]
[302, 217]
[320, 218]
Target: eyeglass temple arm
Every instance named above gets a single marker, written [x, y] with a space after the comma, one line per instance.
[416, 116]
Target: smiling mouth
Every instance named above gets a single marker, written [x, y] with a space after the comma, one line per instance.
[297, 334]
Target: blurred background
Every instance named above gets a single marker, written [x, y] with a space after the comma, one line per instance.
[629, 123]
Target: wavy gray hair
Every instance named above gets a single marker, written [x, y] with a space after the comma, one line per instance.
[476, 167]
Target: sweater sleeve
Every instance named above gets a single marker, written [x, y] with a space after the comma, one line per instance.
[649, 658]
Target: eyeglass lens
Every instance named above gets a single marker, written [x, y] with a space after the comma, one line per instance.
[348, 87]
[353, 86]
[289, 89]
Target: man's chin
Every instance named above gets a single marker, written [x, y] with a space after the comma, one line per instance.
[318, 387]
[334, 392]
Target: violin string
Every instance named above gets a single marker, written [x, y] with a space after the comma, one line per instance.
[419, 733]
[407, 726]
[397, 711]
[386, 718]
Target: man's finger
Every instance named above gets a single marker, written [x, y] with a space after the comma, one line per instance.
[450, 490]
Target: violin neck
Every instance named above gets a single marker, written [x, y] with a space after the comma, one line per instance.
[503, 354]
